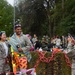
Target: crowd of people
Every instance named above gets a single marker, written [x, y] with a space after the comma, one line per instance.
[64, 42]
[23, 44]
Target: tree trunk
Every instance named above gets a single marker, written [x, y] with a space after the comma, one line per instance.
[49, 19]
[63, 8]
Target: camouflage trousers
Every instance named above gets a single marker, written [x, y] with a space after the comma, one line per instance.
[3, 66]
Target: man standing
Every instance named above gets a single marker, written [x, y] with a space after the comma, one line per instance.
[34, 39]
[20, 42]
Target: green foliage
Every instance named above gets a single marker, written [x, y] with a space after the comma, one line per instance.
[66, 24]
[33, 17]
[57, 18]
[6, 17]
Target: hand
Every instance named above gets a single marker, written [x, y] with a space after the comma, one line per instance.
[19, 49]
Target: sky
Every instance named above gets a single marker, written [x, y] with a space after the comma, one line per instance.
[11, 1]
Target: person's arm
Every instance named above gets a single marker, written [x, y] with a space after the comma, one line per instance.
[8, 45]
[28, 44]
[2, 52]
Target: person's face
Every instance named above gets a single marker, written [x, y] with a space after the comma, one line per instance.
[18, 30]
[3, 37]
[34, 36]
[62, 36]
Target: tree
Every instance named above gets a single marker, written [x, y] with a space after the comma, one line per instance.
[6, 17]
[33, 16]
[66, 24]
[53, 17]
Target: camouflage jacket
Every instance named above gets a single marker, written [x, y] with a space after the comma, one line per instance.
[2, 50]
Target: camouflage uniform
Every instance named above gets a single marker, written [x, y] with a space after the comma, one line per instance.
[23, 42]
[3, 66]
